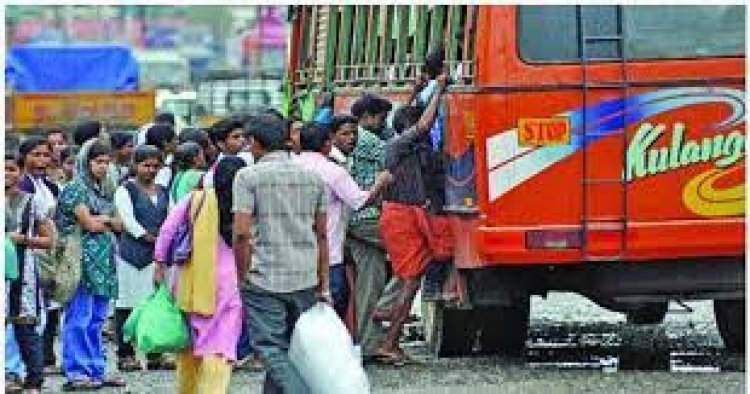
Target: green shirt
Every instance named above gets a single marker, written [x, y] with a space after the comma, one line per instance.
[184, 183]
[366, 162]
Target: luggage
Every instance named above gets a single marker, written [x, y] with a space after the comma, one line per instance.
[323, 352]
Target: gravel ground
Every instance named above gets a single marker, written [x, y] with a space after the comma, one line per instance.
[683, 331]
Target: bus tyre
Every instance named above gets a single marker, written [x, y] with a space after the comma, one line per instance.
[448, 331]
[730, 318]
[503, 330]
[650, 313]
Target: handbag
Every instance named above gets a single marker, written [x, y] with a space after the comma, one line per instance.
[181, 247]
[65, 267]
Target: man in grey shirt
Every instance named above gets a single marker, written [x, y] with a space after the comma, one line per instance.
[279, 230]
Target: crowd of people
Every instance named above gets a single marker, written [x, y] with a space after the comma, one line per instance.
[283, 214]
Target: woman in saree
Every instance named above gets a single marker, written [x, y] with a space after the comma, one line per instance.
[206, 287]
[86, 210]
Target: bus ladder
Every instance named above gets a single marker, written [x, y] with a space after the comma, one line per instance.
[596, 222]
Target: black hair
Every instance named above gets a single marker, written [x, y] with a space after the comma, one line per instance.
[185, 155]
[165, 117]
[340, 120]
[314, 136]
[406, 117]
[159, 135]
[224, 176]
[69, 151]
[221, 129]
[433, 63]
[11, 155]
[99, 148]
[270, 132]
[199, 136]
[145, 152]
[273, 112]
[28, 145]
[120, 139]
[369, 103]
[86, 131]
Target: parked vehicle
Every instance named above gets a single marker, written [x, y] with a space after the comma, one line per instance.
[593, 149]
[100, 81]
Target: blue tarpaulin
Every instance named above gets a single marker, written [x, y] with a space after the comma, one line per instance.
[66, 68]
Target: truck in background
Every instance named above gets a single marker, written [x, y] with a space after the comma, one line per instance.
[100, 82]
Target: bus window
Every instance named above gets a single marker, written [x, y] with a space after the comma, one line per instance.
[348, 45]
[678, 31]
[550, 34]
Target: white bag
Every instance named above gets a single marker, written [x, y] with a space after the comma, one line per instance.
[322, 351]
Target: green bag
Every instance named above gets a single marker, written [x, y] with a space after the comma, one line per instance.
[11, 259]
[157, 325]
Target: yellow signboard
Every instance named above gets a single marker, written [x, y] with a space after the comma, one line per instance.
[543, 131]
[32, 110]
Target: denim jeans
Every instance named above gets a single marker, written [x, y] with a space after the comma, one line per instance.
[30, 345]
[83, 346]
[271, 318]
[244, 346]
[13, 363]
[339, 289]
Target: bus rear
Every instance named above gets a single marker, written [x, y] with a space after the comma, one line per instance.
[594, 149]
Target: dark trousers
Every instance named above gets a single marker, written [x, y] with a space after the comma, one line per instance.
[123, 349]
[271, 318]
[48, 337]
[30, 346]
[244, 346]
[339, 289]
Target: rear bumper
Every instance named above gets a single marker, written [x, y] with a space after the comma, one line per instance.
[706, 278]
[482, 246]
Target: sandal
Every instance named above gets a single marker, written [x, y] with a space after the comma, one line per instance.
[113, 381]
[396, 359]
[128, 364]
[81, 385]
[13, 385]
[160, 365]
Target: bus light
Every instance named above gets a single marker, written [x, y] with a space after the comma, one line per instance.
[553, 239]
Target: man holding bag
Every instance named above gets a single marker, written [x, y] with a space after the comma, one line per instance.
[279, 225]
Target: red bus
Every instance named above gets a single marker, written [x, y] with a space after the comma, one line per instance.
[592, 149]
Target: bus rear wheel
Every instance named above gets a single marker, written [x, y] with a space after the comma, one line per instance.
[730, 318]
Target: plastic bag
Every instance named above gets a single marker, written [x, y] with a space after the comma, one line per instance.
[322, 351]
[158, 325]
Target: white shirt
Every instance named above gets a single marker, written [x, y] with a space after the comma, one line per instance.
[164, 176]
[44, 201]
[126, 213]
